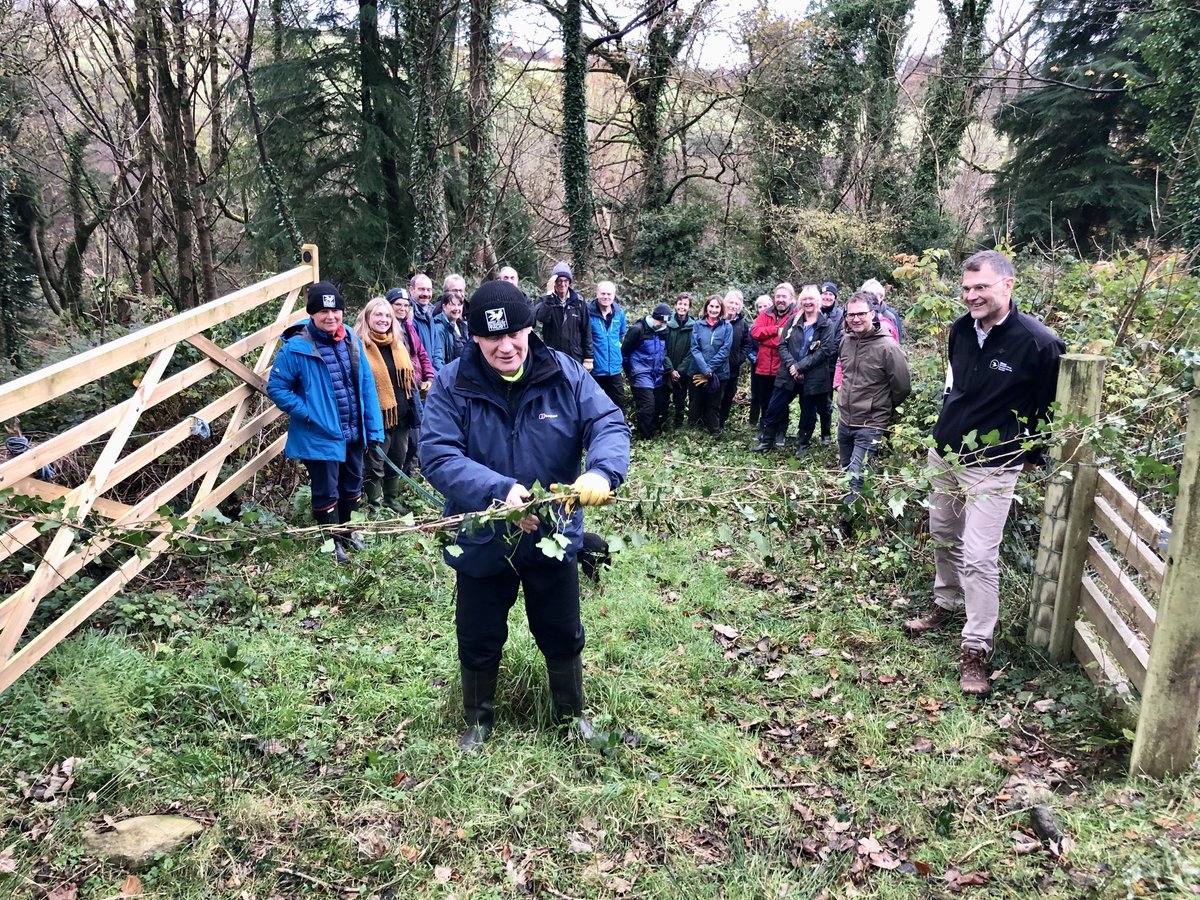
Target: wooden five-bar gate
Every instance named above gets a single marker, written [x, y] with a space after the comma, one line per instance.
[231, 462]
[1103, 559]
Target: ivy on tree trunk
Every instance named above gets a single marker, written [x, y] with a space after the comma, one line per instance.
[576, 166]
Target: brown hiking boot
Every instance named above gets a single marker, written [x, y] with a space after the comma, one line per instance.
[935, 617]
[973, 673]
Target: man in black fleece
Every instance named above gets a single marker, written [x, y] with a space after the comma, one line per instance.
[1003, 377]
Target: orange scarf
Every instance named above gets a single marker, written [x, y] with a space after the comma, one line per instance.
[383, 379]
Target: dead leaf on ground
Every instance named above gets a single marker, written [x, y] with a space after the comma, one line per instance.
[579, 845]
[1025, 843]
[776, 673]
[1045, 705]
[131, 887]
[728, 632]
[442, 874]
[921, 745]
[63, 892]
[957, 880]
[8, 865]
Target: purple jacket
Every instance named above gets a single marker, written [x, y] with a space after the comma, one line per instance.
[422, 365]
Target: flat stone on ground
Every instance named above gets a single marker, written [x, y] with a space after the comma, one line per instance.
[136, 843]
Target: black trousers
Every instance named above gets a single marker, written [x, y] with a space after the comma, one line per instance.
[728, 389]
[775, 419]
[705, 406]
[410, 458]
[761, 387]
[679, 393]
[551, 606]
[614, 387]
[650, 409]
[825, 412]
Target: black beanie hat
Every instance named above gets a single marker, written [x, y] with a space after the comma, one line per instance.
[323, 295]
[497, 308]
[829, 287]
[398, 293]
[662, 312]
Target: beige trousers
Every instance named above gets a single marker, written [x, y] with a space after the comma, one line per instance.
[967, 512]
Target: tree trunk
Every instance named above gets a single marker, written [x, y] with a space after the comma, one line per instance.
[188, 138]
[576, 163]
[480, 164]
[431, 31]
[170, 98]
[143, 215]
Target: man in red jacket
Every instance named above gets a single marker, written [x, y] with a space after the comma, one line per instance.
[766, 334]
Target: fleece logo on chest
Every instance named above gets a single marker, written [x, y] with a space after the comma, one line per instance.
[1000, 365]
[543, 416]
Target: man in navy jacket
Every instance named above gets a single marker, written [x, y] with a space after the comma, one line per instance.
[509, 413]
[1003, 378]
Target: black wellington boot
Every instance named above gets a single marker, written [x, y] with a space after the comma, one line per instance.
[765, 443]
[327, 518]
[345, 536]
[479, 693]
[566, 693]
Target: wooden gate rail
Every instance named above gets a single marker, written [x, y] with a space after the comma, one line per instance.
[1105, 617]
[249, 414]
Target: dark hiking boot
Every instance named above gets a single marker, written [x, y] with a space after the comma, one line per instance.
[973, 673]
[764, 443]
[566, 693]
[479, 694]
[935, 617]
[781, 441]
[801, 452]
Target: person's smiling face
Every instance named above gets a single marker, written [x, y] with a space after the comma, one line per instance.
[987, 295]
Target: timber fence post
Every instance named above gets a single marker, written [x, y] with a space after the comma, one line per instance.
[1170, 714]
[1067, 514]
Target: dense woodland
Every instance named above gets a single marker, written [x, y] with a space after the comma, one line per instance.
[156, 155]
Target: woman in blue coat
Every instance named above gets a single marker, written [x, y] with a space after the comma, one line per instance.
[712, 341]
[323, 381]
[450, 333]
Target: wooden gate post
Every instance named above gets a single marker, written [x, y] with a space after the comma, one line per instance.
[1166, 733]
[1067, 514]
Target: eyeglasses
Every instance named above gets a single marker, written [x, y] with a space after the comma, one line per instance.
[968, 289]
[857, 315]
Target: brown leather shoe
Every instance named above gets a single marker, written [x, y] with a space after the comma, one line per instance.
[935, 617]
[973, 673]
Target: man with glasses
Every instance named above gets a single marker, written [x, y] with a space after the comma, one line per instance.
[1002, 380]
[875, 381]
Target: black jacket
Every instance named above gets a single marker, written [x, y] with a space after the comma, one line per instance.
[565, 326]
[743, 344]
[813, 365]
[1006, 386]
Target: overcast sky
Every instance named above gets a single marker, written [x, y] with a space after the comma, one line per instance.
[718, 44]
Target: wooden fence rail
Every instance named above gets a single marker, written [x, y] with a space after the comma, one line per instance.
[71, 546]
[1094, 592]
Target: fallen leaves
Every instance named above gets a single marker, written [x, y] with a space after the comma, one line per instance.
[51, 784]
[131, 887]
[956, 880]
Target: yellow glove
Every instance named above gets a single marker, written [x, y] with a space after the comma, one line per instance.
[592, 488]
[699, 380]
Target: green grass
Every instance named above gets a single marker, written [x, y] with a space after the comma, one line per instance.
[320, 747]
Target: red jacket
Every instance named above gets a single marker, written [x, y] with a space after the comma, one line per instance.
[765, 332]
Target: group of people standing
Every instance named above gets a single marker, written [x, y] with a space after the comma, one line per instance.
[500, 392]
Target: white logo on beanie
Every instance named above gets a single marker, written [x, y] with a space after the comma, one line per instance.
[497, 319]
[329, 301]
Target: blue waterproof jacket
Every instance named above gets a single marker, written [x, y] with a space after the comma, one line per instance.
[606, 339]
[446, 347]
[645, 354]
[710, 348]
[474, 448]
[423, 322]
[300, 385]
